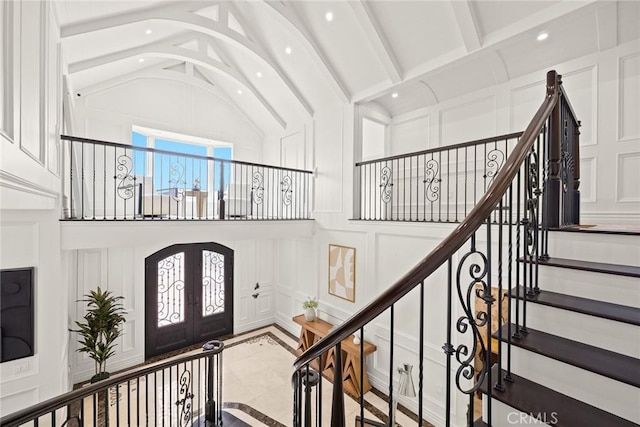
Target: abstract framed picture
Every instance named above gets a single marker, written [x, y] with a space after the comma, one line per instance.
[342, 272]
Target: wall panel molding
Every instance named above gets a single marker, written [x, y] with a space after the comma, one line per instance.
[628, 97]
[627, 177]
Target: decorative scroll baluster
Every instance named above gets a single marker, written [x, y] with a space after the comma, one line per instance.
[185, 399]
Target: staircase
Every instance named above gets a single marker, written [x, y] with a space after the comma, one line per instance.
[542, 314]
[578, 363]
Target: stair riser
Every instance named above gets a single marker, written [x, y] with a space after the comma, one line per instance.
[598, 286]
[505, 416]
[610, 395]
[614, 249]
[613, 336]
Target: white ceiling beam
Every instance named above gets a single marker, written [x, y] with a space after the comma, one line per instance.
[373, 30]
[255, 39]
[159, 71]
[535, 20]
[290, 17]
[173, 52]
[467, 24]
[607, 21]
[193, 22]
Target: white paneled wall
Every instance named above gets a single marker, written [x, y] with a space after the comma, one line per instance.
[604, 90]
[30, 58]
[121, 270]
[32, 239]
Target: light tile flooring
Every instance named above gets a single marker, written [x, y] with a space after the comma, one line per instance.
[258, 374]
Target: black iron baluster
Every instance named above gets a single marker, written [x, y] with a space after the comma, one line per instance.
[362, 364]
[516, 334]
[499, 386]
[509, 283]
[82, 181]
[117, 397]
[391, 334]
[338, 412]
[448, 347]
[93, 175]
[421, 355]
[319, 394]
[488, 298]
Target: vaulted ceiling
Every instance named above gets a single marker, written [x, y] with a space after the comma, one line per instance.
[278, 62]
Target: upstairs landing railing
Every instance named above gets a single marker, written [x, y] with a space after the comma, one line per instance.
[185, 391]
[484, 267]
[111, 181]
[443, 184]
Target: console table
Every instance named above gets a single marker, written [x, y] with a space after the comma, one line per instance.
[312, 332]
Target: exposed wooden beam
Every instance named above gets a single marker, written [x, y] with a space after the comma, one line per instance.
[290, 17]
[373, 30]
[465, 16]
[197, 23]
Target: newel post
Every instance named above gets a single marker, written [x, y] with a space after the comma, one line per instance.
[551, 214]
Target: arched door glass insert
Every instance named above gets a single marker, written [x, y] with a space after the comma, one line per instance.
[189, 296]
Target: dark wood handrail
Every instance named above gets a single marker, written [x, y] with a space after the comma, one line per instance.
[445, 148]
[174, 153]
[43, 408]
[452, 243]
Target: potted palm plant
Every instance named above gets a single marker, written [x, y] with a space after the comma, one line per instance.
[101, 326]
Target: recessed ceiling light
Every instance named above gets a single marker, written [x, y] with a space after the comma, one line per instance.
[239, 91]
[329, 16]
[259, 74]
[141, 60]
[149, 31]
[288, 50]
[394, 95]
[542, 36]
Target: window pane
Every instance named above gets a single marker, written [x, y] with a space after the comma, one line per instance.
[212, 283]
[177, 171]
[171, 290]
[139, 157]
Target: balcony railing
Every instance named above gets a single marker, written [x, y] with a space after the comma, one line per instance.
[436, 185]
[111, 181]
[184, 391]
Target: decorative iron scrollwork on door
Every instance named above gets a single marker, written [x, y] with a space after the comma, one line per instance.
[212, 283]
[171, 293]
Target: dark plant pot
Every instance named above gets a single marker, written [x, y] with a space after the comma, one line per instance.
[99, 377]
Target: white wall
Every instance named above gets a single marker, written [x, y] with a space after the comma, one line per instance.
[121, 269]
[110, 114]
[32, 239]
[30, 165]
[604, 90]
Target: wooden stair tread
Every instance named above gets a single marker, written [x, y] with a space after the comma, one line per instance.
[605, 310]
[533, 398]
[612, 365]
[596, 267]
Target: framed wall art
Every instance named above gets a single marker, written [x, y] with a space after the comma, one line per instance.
[342, 272]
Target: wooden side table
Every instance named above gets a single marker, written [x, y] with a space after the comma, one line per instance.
[312, 332]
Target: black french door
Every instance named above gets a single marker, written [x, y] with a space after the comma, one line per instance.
[189, 296]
